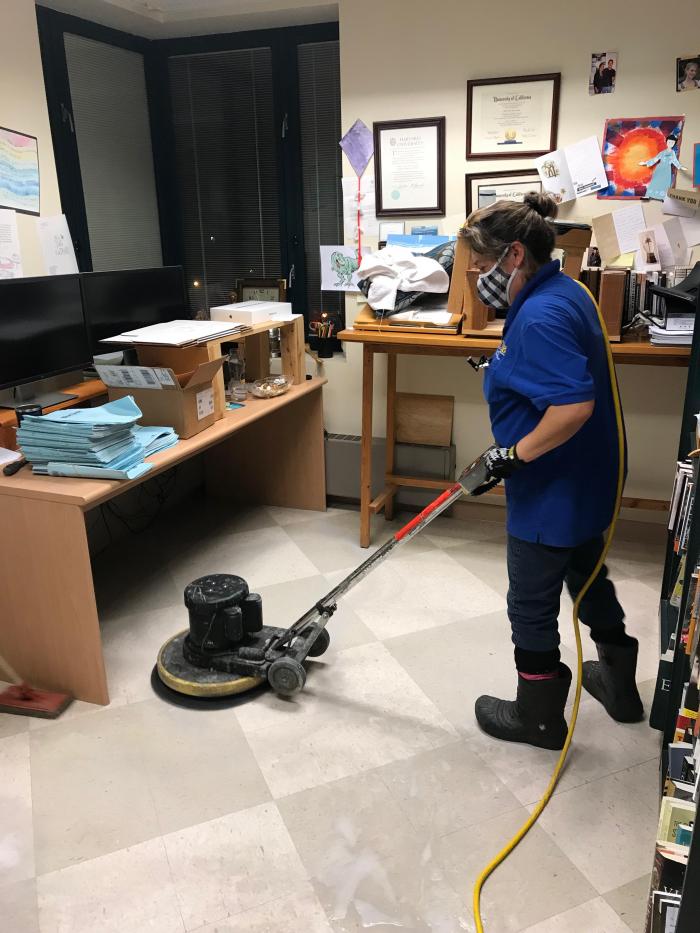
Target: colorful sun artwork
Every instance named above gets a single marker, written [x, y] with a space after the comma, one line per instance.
[629, 141]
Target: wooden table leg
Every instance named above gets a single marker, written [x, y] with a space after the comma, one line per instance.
[366, 450]
[50, 631]
[390, 431]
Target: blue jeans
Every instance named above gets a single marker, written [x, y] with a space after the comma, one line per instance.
[536, 575]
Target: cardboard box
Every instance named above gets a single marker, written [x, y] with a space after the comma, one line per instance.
[250, 312]
[185, 402]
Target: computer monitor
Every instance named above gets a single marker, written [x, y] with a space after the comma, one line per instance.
[125, 299]
[42, 334]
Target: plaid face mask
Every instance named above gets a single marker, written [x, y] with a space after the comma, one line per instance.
[493, 286]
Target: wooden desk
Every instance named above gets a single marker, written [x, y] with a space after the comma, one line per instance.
[271, 451]
[630, 350]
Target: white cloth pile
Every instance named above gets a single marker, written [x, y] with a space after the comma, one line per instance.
[396, 269]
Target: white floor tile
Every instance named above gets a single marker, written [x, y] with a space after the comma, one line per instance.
[232, 864]
[127, 891]
[300, 912]
[18, 906]
[593, 917]
[16, 831]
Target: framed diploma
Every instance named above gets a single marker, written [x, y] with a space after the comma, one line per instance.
[409, 167]
[510, 118]
[484, 188]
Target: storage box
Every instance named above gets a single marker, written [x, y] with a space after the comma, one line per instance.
[251, 312]
[185, 402]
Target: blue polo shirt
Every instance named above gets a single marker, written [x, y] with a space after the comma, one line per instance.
[553, 354]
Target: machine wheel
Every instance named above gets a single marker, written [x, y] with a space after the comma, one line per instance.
[320, 646]
[286, 676]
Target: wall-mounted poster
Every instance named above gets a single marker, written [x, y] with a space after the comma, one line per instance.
[409, 167]
[484, 188]
[640, 156]
[688, 73]
[512, 117]
[603, 73]
[19, 171]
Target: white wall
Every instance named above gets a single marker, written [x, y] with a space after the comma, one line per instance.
[409, 59]
[23, 107]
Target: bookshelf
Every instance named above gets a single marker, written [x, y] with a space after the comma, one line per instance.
[677, 687]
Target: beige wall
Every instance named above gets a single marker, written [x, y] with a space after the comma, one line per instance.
[23, 108]
[409, 59]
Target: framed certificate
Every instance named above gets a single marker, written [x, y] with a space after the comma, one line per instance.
[511, 118]
[484, 188]
[409, 167]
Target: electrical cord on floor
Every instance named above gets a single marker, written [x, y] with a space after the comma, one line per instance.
[544, 800]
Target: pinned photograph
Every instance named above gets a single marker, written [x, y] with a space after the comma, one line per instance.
[603, 74]
[649, 251]
[688, 73]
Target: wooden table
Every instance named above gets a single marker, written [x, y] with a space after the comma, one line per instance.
[85, 391]
[630, 350]
[271, 452]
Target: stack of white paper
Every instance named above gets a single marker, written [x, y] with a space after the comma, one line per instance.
[662, 336]
[178, 333]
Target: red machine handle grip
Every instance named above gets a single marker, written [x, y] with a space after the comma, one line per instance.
[427, 512]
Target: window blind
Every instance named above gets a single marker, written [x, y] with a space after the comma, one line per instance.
[110, 114]
[223, 114]
[319, 105]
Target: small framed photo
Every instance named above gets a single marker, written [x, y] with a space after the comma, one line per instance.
[603, 74]
[688, 73]
[409, 167]
[512, 118]
[19, 172]
[484, 188]
[390, 226]
[259, 290]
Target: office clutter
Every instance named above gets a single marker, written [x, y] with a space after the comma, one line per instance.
[253, 312]
[103, 442]
[178, 333]
[186, 401]
[393, 278]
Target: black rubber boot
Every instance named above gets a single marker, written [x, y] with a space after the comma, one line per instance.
[536, 716]
[611, 680]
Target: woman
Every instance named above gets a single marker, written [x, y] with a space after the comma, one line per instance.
[553, 419]
[689, 81]
[598, 79]
[662, 176]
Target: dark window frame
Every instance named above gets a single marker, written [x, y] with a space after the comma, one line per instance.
[283, 43]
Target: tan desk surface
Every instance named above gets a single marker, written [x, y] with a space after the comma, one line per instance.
[87, 493]
[630, 350]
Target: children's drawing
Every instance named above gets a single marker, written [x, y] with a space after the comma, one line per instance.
[633, 151]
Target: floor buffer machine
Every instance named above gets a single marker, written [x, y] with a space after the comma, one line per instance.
[228, 650]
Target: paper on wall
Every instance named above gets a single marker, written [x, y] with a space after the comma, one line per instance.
[677, 241]
[56, 245]
[677, 208]
[691, 230]
[369, 225]
[574, 171]
[629, 222]
[685, 198]
[339, 269]
[10, 253]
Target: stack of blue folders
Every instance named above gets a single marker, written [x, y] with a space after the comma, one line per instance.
[104, 442]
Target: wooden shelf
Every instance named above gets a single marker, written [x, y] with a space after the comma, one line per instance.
[630, 350]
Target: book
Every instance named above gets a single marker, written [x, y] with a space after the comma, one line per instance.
[667, 874]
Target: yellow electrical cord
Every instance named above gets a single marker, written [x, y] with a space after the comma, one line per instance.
[530, 822]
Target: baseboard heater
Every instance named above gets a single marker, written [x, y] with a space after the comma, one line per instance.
[343, 468]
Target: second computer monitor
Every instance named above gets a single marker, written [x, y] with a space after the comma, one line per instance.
[123, 300]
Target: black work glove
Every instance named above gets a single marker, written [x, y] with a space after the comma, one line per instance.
[501, 463]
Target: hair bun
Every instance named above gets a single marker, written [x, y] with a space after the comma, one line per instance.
[542, 203]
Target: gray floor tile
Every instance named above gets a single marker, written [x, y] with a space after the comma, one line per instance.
[592, 917]
[128, 891]
[12, 723]
[89, 788]
[630, 902]
[19, 912]
[332, 824]
[286, 602]
[359, 712]
[17, 855]
[447, 789]
[595, 823]
[456, 663]
[197, 764]
[535, 882]
[232, 864]
[263, 558]
[300, 912]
